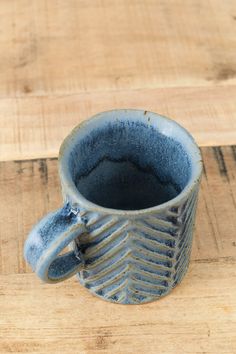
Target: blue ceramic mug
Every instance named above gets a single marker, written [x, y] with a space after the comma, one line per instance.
[130, 181]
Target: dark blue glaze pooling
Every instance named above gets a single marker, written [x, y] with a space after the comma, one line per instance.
[129, 166]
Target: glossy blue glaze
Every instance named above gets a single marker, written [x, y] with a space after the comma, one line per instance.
[130, 181]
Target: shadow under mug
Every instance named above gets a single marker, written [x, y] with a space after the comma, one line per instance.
[130, 181]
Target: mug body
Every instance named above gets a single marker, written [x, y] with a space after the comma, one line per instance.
[133, 177]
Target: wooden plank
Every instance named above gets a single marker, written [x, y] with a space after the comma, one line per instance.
[34, 127]
[73, 46]
[199, 316]
[30, 189]
[64, 61]
[216, 222]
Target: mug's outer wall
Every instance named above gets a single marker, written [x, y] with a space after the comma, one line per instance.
[136, 256]
[131, 260]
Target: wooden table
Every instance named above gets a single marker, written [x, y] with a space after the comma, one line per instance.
[61, 62]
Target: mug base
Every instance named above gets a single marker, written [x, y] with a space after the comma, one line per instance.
[134, 298]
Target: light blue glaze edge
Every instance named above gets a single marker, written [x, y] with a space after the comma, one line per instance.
[164, 125]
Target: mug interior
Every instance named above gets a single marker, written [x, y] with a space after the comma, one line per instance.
[129, 163]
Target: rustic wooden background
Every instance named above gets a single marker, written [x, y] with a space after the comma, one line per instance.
[61, 62]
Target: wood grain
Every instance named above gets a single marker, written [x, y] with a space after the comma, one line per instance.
[34, 127]
[63, 61]
[76, 46]
[199, 316]
[31, 188]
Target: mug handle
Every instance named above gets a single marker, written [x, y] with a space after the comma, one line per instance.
[48, 238]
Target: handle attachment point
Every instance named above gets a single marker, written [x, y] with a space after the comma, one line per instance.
[48, 238]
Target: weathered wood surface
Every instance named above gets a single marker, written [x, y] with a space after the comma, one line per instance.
[73, 46]
[61, 62]
[199, 316]
[34, 127]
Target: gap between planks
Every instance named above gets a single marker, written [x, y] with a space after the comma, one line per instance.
[31, 188]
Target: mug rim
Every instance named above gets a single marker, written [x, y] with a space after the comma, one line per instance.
[189, 144]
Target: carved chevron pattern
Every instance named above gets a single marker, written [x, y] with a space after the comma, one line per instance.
[137, 260]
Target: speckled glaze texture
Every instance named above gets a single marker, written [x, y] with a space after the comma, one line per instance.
[130, 183]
